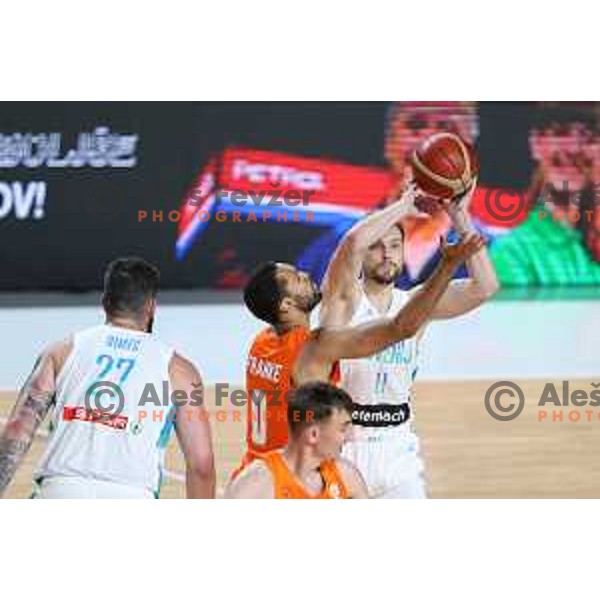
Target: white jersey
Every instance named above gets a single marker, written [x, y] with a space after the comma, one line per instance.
[99, 437]
[382, 384]
[384, 446]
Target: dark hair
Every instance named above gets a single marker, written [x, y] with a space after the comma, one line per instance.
[314, 403]
[128, 285]
[263, 293]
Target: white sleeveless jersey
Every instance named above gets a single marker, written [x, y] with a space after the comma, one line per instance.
[94, 439]
[385, 378]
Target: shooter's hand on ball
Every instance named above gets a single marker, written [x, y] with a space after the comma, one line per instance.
[461, 203]
[409, 198]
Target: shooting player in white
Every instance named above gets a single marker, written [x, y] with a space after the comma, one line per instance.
[385, 448]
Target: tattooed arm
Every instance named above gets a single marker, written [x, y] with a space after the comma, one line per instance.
[29, 411]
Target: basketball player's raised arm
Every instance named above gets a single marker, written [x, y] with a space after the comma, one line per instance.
[193, 431]
[254, 483]
[341, 286]
[330, 345]
[464, 295]
[31, 407]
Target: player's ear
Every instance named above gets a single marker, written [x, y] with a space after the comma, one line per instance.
[312, 434]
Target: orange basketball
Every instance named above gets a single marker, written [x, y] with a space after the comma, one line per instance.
[444, 165]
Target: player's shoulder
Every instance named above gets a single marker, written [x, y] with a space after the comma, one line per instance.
[59, 347]
[51, 359]
[352, 478]
[255, 481]
[345, 466]
[59, 351]
[183, 367]
[263, 340]
[301, 333]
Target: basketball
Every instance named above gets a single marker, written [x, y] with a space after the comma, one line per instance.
[444, 165]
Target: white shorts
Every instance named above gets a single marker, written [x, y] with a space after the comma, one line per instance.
[55, 488]
[389, 461]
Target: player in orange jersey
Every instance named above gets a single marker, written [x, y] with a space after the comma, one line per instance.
[287, 353]
[309, 467]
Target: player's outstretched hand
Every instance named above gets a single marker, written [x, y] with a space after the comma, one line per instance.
[456, 254]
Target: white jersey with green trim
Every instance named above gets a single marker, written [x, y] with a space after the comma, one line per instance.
[383, 380]
[113, 415]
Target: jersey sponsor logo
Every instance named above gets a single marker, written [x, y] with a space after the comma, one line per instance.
[259, 367]
[81, 413]
[380, 415]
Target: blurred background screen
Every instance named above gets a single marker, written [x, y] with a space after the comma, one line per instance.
[82, 183]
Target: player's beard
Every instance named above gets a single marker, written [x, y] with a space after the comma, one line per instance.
[384, 275]
[308, 303]
[150, 325]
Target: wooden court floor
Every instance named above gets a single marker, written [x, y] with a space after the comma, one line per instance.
[467, 453]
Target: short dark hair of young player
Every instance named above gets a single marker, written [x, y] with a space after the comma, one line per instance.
[314, 403]
[263, 293]
[128, 285]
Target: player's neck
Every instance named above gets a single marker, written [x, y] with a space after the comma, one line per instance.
[302, 462]
[302, 320]
[125, 323]
[379, 294]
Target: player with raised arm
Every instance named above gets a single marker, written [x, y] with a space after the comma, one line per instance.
[385, 447]
[287, 353]
[98, 452]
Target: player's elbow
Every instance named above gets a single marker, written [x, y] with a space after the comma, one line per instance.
[489, 290]
[201, 467]
[493, 288]
[354, 243]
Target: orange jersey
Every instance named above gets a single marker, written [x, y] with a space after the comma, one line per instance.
[268, 382]
[287, 485]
